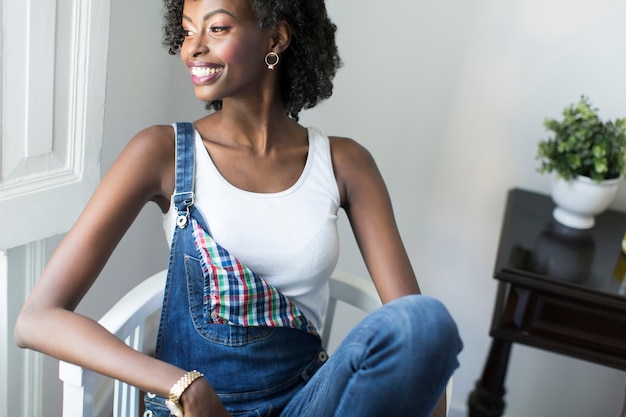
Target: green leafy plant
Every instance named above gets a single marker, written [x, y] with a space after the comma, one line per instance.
[583, 144]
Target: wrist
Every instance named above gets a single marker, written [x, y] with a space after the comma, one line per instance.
[173, 401]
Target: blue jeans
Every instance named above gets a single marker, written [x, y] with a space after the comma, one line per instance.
[396, 362]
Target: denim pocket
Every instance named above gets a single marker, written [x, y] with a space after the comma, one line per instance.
[195, 289]
[212, 328]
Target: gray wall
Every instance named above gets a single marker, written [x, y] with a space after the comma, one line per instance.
[449, 96]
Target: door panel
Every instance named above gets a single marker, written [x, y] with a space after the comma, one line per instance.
[54, 59]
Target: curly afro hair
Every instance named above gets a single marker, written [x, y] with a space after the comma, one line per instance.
[309, 64]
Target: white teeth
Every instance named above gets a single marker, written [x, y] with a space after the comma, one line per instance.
[203, 71]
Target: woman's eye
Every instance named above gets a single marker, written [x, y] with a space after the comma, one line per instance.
[187, 32]
[218, 29]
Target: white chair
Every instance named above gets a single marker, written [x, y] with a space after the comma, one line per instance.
[129, 319]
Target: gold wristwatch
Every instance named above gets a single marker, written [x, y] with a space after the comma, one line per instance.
[173, 402]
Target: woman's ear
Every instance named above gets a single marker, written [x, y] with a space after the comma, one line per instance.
[282, 37]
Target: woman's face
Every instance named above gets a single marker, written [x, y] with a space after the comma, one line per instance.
[224, 48]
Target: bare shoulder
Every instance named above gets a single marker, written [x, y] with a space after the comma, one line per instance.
[156, 140]
[347, 150]
[353, 164]
[348, 155]
[153, 148]
[149, 158]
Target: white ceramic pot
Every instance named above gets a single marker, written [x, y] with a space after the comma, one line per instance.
[578, 201]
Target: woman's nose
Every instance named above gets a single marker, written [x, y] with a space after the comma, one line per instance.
[200, 50]
[197, 46]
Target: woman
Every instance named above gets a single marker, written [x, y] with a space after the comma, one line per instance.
[250, 199]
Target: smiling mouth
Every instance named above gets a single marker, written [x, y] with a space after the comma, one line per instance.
[204, 71]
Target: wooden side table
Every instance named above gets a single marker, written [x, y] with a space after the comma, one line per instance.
[557, 291]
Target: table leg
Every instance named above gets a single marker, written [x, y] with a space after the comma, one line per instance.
[487, 399]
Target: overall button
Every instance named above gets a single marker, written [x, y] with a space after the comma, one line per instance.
[322, 357]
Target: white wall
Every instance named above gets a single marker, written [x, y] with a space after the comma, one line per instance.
[449, 96]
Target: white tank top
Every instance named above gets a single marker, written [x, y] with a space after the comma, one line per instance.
[289, 238]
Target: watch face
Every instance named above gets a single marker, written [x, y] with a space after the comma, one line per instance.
[174, 408]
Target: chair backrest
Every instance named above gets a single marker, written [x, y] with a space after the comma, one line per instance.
[128, 319]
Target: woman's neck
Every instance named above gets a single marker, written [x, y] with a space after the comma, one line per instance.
[254, 117]
[261, 128]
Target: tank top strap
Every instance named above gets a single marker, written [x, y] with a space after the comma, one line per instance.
[183, 197]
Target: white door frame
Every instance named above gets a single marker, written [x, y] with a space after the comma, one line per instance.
[54, 63]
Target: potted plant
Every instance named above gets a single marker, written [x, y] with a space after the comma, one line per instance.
[587, 158]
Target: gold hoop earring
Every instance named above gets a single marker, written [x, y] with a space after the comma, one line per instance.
[271, 56]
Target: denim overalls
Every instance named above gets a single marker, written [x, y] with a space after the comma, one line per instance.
[253, 352]
[395, 362]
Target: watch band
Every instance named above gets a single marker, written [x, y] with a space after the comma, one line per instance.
[179, 387]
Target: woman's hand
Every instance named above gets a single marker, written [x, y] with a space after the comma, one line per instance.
[200, 400]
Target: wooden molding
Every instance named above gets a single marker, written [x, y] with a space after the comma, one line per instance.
[22, 376]
[4, 335]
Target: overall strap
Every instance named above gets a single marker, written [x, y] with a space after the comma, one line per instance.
[182, 198]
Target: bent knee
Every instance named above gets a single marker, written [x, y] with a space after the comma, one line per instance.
[424, 321]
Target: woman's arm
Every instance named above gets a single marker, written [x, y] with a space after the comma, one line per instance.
[47, 323]
[365, 199]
